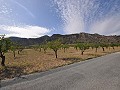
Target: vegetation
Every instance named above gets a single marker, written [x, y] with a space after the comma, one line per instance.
[13, 48]
[65, 47]
[96, 45]
[40, 48]
[20, 48]
[45, 47]
[103, 46]
[55, 46]
[75, 47]
[83, 47]
[29, 61]
[4, 47]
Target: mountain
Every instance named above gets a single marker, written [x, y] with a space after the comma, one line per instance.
[68, 39]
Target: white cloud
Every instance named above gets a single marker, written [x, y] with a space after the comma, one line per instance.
[24, 31]
[91, 16]
[70, 14]
[108, 26]
[73, 14]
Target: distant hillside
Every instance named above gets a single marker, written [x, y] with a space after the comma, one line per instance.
[68, 39]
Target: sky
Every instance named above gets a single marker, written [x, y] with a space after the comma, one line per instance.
[36, 18]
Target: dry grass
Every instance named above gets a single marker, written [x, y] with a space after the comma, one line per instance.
[30, 61]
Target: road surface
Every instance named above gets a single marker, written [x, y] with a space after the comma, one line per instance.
[102, 73]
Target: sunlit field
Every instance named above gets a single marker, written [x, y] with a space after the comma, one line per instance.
[30, 60]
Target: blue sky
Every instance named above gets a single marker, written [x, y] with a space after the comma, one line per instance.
[35, 18]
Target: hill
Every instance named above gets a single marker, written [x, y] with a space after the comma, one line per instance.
[68, 39]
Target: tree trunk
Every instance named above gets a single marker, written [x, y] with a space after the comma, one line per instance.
[18, 52]
[64, 50]
[113, 48]
[103, 48]
[76, 48]
[40, 50]
[44, 50]
[14, 54]
[3, 59]
[56, 53]
[82, 52]
[92, 48]
[96, 50]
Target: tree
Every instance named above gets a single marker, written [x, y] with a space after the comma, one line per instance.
[55, 46]
[5, 44]
[35, 47]
[20, 48]
[65, 47]
[76, 47]
[13, 48]
[40, 47]
[107, 45]
[91, 45]
[112, 45]
[96, 45]
[82, 47]
[45, 47]
[102, 45]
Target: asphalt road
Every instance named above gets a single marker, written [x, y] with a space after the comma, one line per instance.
[101, 73]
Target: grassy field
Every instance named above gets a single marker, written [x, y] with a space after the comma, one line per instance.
[30, 61]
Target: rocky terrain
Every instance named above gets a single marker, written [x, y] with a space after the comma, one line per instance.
[68, 39]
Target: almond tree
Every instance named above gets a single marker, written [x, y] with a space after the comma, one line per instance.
[55, 46]
[112, 45]
[5, 44]
[13, 49]
[82, 47]
[96, 45]
[65, 47]
[40, 47]
[91, 45]
[45, 47]
[35, 47]
[20, 48]
[107, 46]
[102, 45]
[76, 47]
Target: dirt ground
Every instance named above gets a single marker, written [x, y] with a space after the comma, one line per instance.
[30, 61]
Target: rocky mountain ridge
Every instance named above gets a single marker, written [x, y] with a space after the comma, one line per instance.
[68, 39]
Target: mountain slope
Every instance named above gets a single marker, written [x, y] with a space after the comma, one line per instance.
[68, 39]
